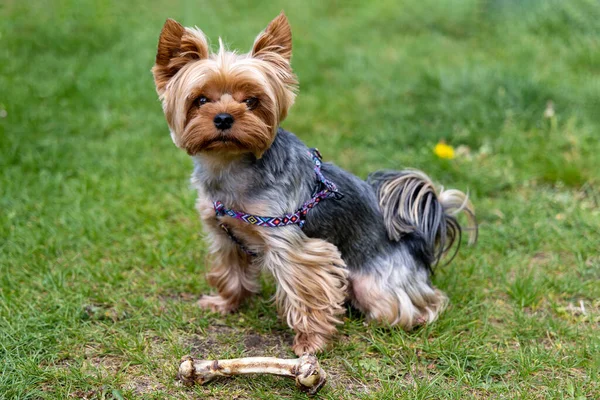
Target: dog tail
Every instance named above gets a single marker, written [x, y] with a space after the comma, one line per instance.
[411, 204]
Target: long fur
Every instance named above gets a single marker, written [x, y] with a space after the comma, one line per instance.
[312, 283]
[410, 204]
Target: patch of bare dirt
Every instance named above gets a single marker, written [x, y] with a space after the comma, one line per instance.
[212, 341]
[221, 339]
[339, 379]
[180, 297]
[267, 345]
[141, 385]
[104, 364]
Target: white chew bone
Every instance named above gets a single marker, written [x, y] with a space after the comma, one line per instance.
[305, 370]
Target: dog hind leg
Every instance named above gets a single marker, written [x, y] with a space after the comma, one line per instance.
[395, 294]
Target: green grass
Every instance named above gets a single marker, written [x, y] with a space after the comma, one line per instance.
[101, 258]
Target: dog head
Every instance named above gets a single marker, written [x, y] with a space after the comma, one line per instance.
[224, 102]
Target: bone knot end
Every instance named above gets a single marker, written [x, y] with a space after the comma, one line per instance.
[310, 377]
[186, 370]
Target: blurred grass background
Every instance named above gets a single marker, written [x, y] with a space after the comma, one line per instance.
[101, 258]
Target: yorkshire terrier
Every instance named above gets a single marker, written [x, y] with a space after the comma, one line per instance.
[268, 203]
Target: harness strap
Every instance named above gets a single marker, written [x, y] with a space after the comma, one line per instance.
[326, 189]
[236, 240]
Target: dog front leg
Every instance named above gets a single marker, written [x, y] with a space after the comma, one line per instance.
[232, 272]
[311, 285]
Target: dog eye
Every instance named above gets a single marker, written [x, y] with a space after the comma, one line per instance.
[200, 101]
[251, 102]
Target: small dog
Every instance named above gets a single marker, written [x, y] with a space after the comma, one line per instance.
[268, 203]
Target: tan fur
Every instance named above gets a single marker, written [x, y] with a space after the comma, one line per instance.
[310, 275]
[185, 70]
[232, 272]
[393, 305]
[276, 38]
[311, 285]
[177, 46]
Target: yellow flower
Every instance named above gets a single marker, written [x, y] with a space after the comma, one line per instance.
[443, 150]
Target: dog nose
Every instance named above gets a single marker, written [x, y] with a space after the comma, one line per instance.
[223, 121]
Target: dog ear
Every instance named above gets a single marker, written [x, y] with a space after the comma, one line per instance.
[276, 38]
[176, 47]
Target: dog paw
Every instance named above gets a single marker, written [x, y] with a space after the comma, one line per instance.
[305, 343]
[216, 304]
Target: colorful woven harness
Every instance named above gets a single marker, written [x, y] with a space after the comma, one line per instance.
[324, 190]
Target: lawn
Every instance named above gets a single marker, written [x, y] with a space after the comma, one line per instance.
[101, 252]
